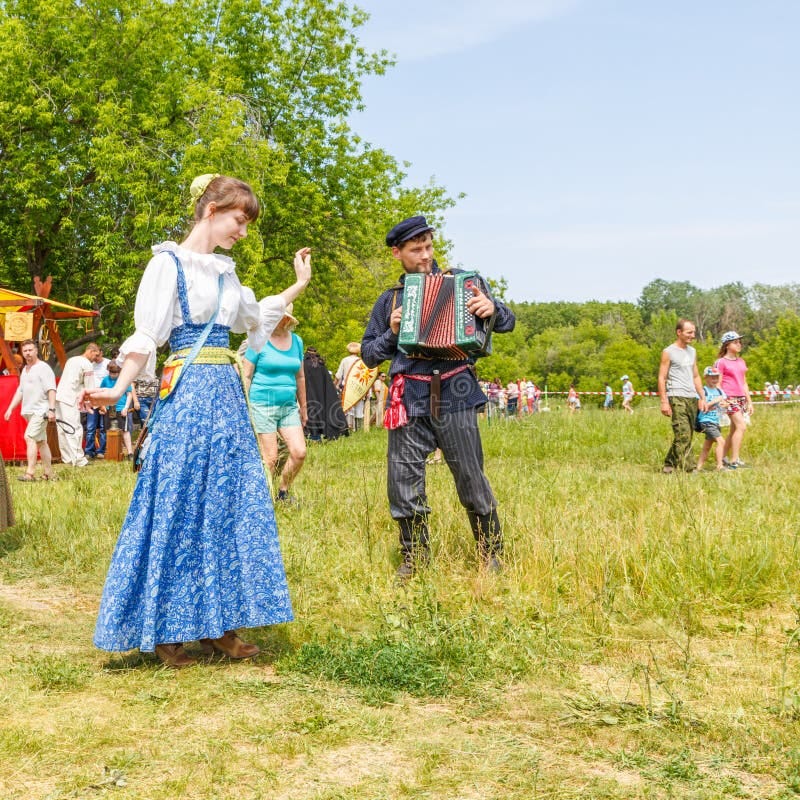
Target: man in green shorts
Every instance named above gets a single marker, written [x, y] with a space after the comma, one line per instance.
[681, 393]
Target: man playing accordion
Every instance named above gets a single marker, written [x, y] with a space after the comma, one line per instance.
[433, 402]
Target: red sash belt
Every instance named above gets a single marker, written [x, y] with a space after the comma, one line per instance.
[396, 415]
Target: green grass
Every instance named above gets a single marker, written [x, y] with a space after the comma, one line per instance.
[642, 642]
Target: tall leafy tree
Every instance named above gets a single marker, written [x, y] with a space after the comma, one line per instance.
[769, 303]
[776, 356]
[662, 295]
[109, 109]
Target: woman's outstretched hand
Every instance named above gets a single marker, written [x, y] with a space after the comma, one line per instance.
[302, 265]
[95, 398]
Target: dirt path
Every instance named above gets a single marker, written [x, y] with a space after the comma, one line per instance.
[34, 596]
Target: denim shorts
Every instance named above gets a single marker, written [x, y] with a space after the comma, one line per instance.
[270, 419]
[711, 430]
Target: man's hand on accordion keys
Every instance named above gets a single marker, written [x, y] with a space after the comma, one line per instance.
[479, 304]
[394, 320]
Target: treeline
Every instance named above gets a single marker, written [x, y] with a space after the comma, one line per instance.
[109, 110]
[556, 344]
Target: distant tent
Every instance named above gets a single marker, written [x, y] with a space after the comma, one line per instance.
[45, 315]
[42, 327]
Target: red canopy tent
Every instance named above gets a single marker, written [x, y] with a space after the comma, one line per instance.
[45, 315]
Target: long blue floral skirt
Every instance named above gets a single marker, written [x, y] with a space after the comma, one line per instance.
[198, 554]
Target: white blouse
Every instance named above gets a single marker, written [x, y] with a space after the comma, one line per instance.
[158, 309]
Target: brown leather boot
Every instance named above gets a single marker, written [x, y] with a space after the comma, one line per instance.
[229, 645]
[173, 655]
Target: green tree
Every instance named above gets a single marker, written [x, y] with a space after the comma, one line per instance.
[589, 353]
[625, 356]
[727, 308]
[538, 317]
[558, 382]
[776, 356]
[768, 303]
[509, 356]
[108, 112]
[661, 295]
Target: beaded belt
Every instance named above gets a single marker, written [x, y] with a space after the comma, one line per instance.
[208, 355]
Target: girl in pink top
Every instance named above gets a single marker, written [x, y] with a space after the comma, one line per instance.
[733, 369]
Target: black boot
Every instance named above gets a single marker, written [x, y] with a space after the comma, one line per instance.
[489, 538]
[413, 545]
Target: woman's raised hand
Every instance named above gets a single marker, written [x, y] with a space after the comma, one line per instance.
[302, 270]
[302, 265]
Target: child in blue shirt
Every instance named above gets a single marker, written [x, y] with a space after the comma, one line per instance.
[123, 406]
[708, 420]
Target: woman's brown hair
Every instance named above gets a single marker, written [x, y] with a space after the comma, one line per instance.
[228, 193]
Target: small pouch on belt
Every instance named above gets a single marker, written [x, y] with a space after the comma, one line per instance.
[169, 376]
[436, 393]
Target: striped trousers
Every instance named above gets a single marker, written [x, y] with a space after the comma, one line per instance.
[457, 435]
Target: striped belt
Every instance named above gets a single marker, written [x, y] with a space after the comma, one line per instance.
[208, 355]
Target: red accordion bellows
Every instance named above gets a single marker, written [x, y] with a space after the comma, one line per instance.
[438, 312]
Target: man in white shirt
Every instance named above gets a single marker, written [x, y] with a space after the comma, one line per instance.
[37, 393]
[78, 374]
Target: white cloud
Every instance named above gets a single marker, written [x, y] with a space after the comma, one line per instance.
[421, 29]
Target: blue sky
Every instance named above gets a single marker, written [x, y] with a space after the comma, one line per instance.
[601, 143]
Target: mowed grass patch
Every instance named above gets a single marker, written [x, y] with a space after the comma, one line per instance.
[641, 642]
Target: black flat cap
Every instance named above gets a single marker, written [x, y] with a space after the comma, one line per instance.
[407, 229]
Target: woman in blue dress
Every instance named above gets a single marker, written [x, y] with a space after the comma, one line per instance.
[198, 556]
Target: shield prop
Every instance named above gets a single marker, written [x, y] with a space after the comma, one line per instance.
[19, 326]
[357, 383]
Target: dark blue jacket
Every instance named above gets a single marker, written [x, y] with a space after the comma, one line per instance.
[380, 344]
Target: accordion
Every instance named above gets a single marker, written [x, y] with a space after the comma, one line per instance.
[435, 321]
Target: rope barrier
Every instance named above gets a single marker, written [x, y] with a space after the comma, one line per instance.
[758, 393]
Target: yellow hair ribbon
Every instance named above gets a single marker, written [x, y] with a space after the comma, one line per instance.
[200, 184]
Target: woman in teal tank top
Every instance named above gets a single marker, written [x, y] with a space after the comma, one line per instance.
[276, 385]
